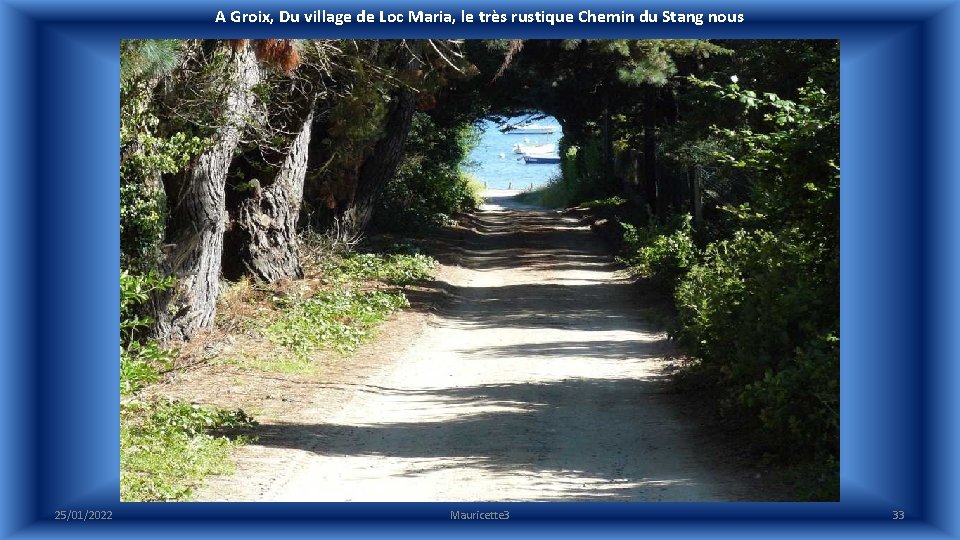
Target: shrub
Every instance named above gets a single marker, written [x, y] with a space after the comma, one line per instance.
[582, 171]
[763, 320]
[140, 358]
[661, 252]
[429, 185]
[761, 310]
[556, 193]
[145, 155]
[801, 402]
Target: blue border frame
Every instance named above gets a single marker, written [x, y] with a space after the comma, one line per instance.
[899, 296]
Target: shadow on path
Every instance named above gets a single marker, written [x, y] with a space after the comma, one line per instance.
[539, 381]
[523, 430]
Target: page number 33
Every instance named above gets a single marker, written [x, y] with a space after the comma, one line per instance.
[898, 514]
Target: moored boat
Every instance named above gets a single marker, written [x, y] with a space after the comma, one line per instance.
[543, 148]
[541, 158]
[530, 129]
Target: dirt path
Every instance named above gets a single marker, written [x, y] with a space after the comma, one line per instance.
[538, 381]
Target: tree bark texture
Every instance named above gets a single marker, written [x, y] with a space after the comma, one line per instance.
[380, 167]
[198, 212]
[267, 220]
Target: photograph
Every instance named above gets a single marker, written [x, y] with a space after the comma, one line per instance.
[479, 270]
[450, 270]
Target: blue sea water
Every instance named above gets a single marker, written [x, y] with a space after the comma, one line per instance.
[493, 162]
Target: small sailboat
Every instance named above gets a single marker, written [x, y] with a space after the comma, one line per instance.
[539, 148]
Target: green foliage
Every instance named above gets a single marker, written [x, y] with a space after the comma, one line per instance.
[145, 155]
[167, 447]
[763, 285]
[579, 179]
[761, 316]
[792, 151]
[358, 79]
[761, 309]
[179, 417]
[608, 202]
[394, 269]
[556, 193]
[430, 185]
[147, 58]
[296, 364]
[801, 402]
[470, 192]
[339, 319]
[816, 479]
[140, 359]
[140, 364]
[134, 291]
[652, 61]
[661, 252]
[358, 115]
[581, 168]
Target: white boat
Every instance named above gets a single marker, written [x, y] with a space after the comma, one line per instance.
[531, 129]
[542, 148]
[541, 158]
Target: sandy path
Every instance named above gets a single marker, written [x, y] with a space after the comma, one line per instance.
[538, 381]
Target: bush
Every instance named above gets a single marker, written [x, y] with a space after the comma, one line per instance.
[761, 310]
[555, 194]
[429, 185]
[140, 358]
[145, 156]
[582, 171]
[661, 252]
[801, 402]
[763, 321]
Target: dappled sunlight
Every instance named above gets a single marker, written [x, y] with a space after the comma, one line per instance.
[415, 480]
[411, 408]
[327, 239]
[509, 440]
[537, 381]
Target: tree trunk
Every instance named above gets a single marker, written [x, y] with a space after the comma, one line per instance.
[696, 187]
[267, 220]
[380, 167]
[198, 213]
[650, 149]
[607, 182]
